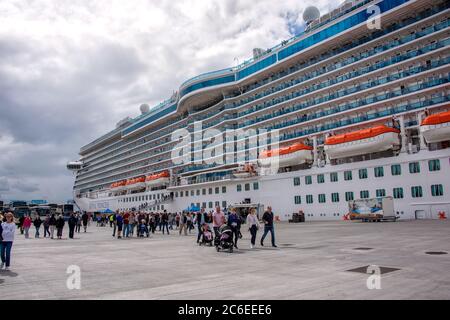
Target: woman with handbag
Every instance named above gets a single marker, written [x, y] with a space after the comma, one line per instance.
[253, 226]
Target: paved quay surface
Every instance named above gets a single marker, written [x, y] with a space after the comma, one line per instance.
[311, 263]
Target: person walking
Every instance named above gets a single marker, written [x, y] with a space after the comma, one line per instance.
[234, 222]
[60, 226]
[37, 224]
[26, 226]
[253, 226]
[189, 222]
[78, 227]
[119, 223]
[72, 224]
[85, 219]
[47, 226]
[165, 222]
[126, 224]
[21, 220]
[114, 220]
[177, 220]
[218, 220]
[200, 220]
[7, 229]
[52, 225]
[268, 226]
[183, 224]
[131, 224]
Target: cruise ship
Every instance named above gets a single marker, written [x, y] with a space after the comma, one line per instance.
[354, 107]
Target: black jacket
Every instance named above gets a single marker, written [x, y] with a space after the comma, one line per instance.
[268, 217]
[52, 221]
[1, 231]
[37, 223]
[60, 223]
[72, 221]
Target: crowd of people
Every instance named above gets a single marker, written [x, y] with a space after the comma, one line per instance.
[139, 224]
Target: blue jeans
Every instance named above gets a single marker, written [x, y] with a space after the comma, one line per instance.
[6, 252]
[268, 229]
[165, 225]
[126, 230]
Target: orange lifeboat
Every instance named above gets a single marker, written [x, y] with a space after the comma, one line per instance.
[376, 139]
[158, 179]
[135, 183]
[293, 155]
[118, 186]
[436, 128]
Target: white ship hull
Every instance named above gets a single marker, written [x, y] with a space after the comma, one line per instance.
[279, 190]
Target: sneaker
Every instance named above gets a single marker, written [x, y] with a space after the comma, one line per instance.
[7, 269]
[2, 265]
[262, 244]
[251, 246]
[275, 246]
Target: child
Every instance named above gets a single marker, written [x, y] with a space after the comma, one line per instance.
[143, 229]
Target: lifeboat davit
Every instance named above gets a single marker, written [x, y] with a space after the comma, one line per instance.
[119, 186]
[376, 139]
[158, 179]
[294, 155]
[135, 183]
[245, 171]
[436, 128]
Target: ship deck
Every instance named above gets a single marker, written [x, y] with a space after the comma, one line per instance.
[312, 262]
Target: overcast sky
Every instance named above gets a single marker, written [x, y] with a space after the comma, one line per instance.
[71, 69]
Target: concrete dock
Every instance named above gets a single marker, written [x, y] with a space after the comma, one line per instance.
[312, 262]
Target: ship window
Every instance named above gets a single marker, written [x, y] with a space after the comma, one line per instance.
[309, 199]
[381, 193]
[396, 170]
[437, 190]
[334, 177]
[210, 190]
[416, 192]
[398, 193]
[210, 205]
[364, 194]
[379, 172]
[217, 204]
[322, 198]
[224, 189]
[239, 188]
[308, 180]
[296, 181]
[335, 197]
[363, 173]
[320, 178]
[434, 165]
[255, 186]
[198, 192]
[217, 190]
[349, 196]
[348, 176]
[181, 194]
[414, 167]
[176, 194]
[192, 193]
[204, 192]
[298, 199]
[247, 187]
[224, 204]
[204, 205]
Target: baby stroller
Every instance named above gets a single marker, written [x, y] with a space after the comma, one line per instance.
[207, 236]
[225, 239]
[143, 229]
